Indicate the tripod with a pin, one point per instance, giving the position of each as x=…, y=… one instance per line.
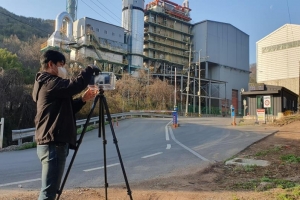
x=102, y=106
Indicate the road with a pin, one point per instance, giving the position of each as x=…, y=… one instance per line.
x=149, y=148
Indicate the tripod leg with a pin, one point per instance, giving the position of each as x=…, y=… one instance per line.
x=59, y=192
x=116, y=144
x=102, y=128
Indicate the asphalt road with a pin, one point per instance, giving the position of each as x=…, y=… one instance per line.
x=149, y=148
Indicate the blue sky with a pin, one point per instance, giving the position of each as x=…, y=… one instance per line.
x=257, y=18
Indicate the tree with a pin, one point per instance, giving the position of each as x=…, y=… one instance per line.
x=16, y=104
x=252, y=75
x=9, y=60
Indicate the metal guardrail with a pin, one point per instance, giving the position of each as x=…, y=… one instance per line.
x=19, y=135
x=1, y=131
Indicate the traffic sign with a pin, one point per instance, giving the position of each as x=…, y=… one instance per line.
x=267, y=101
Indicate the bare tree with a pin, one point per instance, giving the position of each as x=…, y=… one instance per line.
x=252, y=75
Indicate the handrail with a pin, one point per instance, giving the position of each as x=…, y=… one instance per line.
x=30, y=132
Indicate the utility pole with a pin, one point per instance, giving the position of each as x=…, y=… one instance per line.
x=175, y=91
x=199, y=93
x=188, y=82
x=299, y=91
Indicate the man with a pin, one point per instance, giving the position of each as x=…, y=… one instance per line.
x=55, y=119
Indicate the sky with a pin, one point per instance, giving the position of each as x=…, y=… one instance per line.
x=257, y=18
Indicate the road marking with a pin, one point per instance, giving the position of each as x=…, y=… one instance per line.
x=155, y=154
x=168, y=146
x=185, y=147
x=167, y=134
x=97, y=168
x=20, y=182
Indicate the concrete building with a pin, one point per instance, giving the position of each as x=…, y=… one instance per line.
x=211, y=58
x=133, y=23
x=278, y=58
x=167, y=36
x=90, y=40
x=171, y=41
x=224, y=58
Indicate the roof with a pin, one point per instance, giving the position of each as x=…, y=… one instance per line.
x=297, y=25
x=270, y=89
x=219, y=23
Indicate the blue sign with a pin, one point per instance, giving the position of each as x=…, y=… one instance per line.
x=174, y=113
x=232, y=111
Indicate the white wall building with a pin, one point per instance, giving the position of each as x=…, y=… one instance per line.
x=278, y=58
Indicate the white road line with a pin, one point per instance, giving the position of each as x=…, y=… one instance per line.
x=167, y=134
x=20, y=182
x=155, y=154
x=168, y=146
x=97, y=168
x=185, y=147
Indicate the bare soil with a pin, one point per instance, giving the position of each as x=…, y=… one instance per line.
x=279, y=180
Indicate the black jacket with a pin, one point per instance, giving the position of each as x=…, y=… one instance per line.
x=55, y=119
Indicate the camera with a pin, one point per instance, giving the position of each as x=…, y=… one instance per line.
x=105, y=80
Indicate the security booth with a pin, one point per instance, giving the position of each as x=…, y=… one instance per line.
x=273, y=100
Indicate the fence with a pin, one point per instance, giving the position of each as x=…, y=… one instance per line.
x=19, y=135
x=1, y=132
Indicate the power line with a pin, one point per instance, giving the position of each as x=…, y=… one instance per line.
x=287, y=2
x=94, y=10
x=116, y=19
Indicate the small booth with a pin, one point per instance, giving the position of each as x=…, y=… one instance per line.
x=267, y=101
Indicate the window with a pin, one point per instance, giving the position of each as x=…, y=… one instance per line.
x=113, y=33
x=92, y=28
x=97, y=29
x=105, y=32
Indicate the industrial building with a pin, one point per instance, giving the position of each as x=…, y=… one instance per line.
x=278, y=58
x=222, y=50
x=209, y=60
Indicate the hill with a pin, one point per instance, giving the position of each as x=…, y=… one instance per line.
x=23, y=27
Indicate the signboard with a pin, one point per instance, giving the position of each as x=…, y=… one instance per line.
x=267, y=101
x=261, y=115
x=256, y=86
x=174, y=113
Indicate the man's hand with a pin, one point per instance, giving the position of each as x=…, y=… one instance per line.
x=89, y=94
x=95, y=69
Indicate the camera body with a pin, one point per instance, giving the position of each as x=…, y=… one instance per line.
x=105, y=80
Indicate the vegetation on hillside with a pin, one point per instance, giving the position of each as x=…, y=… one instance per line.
x=23, y=27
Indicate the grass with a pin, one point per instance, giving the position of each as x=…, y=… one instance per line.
x=269, y=151
x=272, y=183
x=28, y=145
x=88, y=128
x=290, y=158
x=246, y=168
x=291, y=194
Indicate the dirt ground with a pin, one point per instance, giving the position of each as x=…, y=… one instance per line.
x=279, y=180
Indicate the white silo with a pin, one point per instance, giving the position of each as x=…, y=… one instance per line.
x=133, y=23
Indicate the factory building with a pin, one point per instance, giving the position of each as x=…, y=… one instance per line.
x=278, y=58
x=171, y=41
x=209, y=60
x=90, y=41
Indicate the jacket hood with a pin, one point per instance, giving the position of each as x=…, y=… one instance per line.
x=40, y=78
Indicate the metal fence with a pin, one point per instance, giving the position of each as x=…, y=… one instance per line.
x=19, y=135
x=1, y=132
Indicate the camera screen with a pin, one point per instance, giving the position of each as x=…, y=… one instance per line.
x=102, y=79
x=105, y=80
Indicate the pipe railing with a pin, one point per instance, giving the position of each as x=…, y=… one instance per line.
x=19, y=135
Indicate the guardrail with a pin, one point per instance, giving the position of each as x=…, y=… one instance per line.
x=19, y=135
x=1, y=131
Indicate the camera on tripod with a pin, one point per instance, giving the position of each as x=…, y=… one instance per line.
x=105, y=81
